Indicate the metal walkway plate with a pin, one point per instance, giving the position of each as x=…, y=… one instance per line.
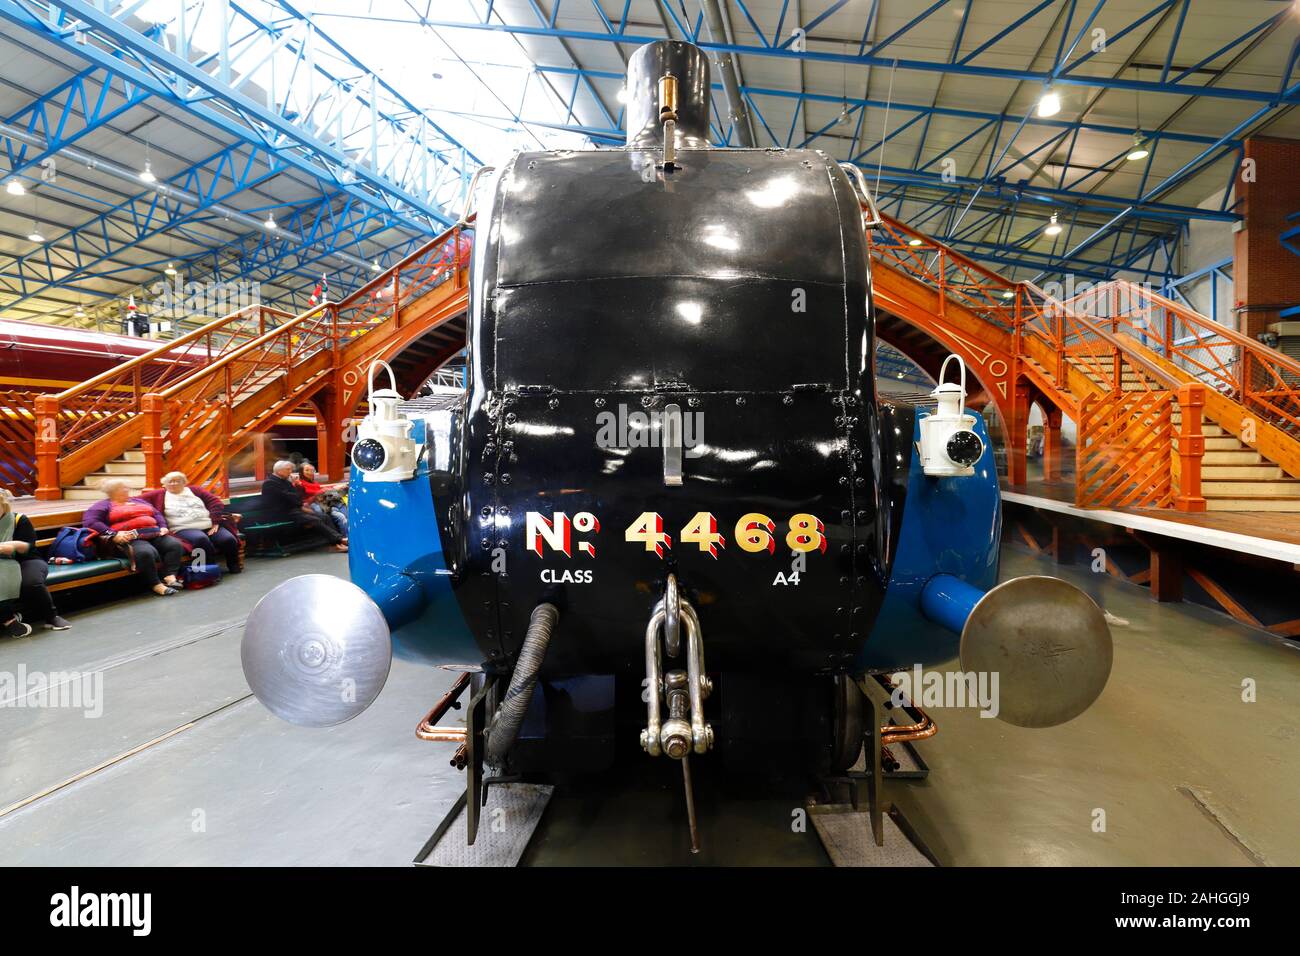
x=910, y=763
x=506, y=824
x=846, y=835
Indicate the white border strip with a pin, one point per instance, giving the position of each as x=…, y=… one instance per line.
x=1230, y=540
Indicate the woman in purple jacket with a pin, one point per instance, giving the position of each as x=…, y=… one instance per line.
x=197, y=517
x=156, y=553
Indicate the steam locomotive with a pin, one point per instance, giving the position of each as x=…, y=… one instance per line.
x=670, y=489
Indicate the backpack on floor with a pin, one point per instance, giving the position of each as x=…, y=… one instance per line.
x=201, y=576
x=73, y=545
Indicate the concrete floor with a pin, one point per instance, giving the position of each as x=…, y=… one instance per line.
x=183, y=766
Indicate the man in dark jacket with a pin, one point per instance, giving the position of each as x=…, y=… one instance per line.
x=282, y=500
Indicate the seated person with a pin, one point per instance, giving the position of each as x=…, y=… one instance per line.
x=327, y=504
x=139, y=530
x=197, y=517
x=22, y=575
x=282, y=500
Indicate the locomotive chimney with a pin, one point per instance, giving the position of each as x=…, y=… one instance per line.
x=687, y=95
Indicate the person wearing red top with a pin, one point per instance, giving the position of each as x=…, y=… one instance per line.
x=138, y=530
x=311, y=490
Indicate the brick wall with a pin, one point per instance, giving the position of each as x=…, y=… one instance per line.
x=1266, y=276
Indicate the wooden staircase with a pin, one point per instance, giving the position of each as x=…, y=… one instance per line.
x=1234, y=476
x=193, y=403
x=1025, y=347
x=128, y=465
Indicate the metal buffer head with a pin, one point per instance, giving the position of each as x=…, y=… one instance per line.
x=316, y=650
x=1049, y=644
x=1047, y=641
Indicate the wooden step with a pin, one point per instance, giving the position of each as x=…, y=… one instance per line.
x=1281, y=503
x=1261, y=472
x=1243, y=457
x=120, y=467
x=131, y=456
x=1222, y=443
x=1249, y=488
x=95, y=478
x=82, y=494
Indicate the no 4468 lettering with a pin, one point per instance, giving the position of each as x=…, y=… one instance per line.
x=754, y=533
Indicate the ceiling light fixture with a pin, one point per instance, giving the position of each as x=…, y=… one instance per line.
x=15, y=188
x=170, y=270
x=375, y=265
x=914, y=241
x=1049, y=104
x=270, y=222
x=1139, y=150
x=35, y=234
x=1053, y=228
x=146, y=174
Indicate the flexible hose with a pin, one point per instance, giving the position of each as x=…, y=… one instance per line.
x=510, y=714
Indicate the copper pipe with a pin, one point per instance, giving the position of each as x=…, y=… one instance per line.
x=461, y=757
x=426, y=730
x=923, y=728
x=895, y=733
x=441, y=735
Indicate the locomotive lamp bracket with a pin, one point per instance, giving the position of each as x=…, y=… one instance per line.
x=949, y=446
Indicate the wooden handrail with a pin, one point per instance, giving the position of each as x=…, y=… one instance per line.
x=383, y=278
x=949, y=251
x=207, y=370
x=163, y=349
x=360, y=294
x=1192, y=317
x=1110, y=338
x=1030, y=291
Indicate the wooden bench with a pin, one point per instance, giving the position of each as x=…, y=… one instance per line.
x=266, y=537
x=64, y=576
